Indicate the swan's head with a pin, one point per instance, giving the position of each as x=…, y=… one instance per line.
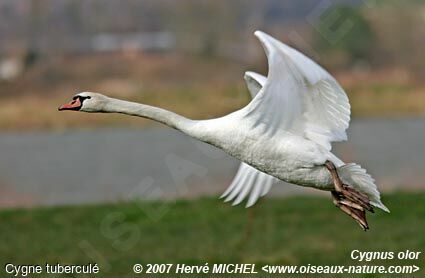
x=86, y=102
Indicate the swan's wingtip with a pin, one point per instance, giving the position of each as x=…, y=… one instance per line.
x=250, y=75
x=228, y=199
x=223, y=195
x=268, y=42
x=260, y=34
x=263, y=35
x=249, y=204
x=236, y=202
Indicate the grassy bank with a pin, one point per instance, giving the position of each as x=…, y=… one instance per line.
x=295, y=231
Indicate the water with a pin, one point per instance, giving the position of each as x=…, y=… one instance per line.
x=49, y=168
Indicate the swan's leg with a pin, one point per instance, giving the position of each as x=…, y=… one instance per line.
x=349, y=200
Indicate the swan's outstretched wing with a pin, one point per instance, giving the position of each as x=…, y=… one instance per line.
x=299, y=96
x=248, y=180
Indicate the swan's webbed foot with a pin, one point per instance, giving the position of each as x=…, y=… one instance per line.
x=353, y=208
x=348, y=199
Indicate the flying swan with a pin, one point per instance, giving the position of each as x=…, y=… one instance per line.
x=284, y=133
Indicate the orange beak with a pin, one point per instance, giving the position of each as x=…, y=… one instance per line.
x=74, y=105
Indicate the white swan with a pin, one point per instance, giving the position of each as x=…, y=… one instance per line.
x=285, y=132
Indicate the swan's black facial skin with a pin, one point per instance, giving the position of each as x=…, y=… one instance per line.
x=81, y=98
x=75, y=104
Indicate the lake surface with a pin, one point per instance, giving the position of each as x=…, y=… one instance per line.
x=87, y=166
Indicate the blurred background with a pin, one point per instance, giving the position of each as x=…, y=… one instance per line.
x=189, y=56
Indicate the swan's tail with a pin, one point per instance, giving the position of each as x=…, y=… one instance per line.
x=354, y=175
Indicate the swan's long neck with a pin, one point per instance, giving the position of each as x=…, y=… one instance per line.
x=154, y=113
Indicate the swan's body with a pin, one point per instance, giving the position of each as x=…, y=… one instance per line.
x=285, y=132
x=286, y=156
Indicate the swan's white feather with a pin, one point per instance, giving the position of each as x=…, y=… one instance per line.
x=248, y=179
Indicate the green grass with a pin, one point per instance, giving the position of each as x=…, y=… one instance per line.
x=296, y=231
